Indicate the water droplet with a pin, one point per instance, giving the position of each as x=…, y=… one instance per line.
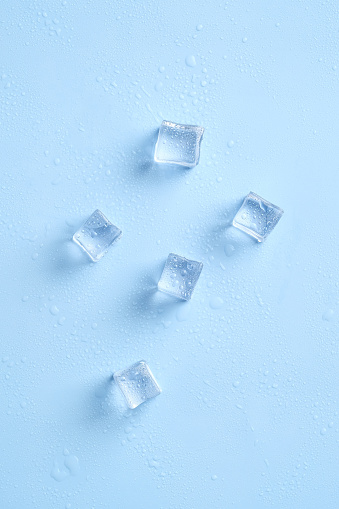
x=214, y=477
x=229, y=250
x=230, y=144
x=328, y=315
x=57, y=474
x=199, y=27
x=216, y=302
x=183, y=312
x=54, y=310
x=72, y=463
x=190, y=61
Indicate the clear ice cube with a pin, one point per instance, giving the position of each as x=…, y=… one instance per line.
x=96, y=235
x=257, y=216
x=137, y=383
x=178, y=144
x=179, y=276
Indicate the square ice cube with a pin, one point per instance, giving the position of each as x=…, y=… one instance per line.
x=137, y=383
x=178, y=144
x=96, y=235
x=179, y=276
x=257, y=216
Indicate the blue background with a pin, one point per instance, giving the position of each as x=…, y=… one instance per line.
x=248, y=417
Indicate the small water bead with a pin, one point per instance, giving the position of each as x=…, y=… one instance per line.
x=199, y=27
x=54, y=310
x=229, y=250
x=216, y=302
x=72, y=463
x=328, y=315
x=190, y=61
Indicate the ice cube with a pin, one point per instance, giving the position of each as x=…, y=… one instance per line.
x=179, y=276
x=137, y=383
x=178, y=144
x=257, y=216
x=96, y=235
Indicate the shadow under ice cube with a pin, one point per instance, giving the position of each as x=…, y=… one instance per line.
x=96, y=235
x=178, y=144
x=257, y=217
x=137, y=384
x=179, y=276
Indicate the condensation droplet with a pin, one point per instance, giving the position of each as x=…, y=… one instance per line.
x=190, y=61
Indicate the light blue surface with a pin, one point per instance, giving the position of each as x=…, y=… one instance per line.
x=248, y=416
